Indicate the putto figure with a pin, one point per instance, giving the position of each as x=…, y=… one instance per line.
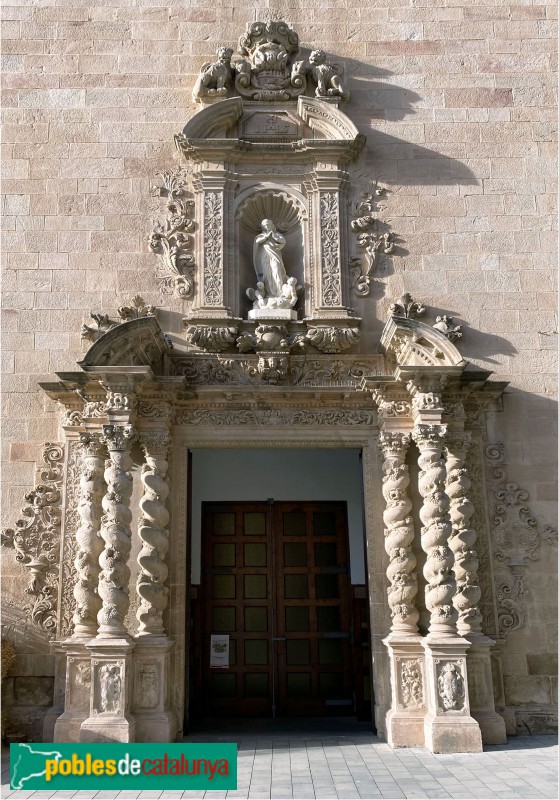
x=215, y=79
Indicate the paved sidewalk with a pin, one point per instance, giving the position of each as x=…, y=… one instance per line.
x=309, y=763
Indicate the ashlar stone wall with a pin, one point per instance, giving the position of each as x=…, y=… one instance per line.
x=457, y=102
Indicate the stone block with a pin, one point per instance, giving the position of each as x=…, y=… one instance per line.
x=525, y=689
x=542, y=663
x=33, y=690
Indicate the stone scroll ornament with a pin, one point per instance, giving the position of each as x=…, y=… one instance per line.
x=171, y=237
x=266, y=69
x=36, y=539
x=373, y=238
x=516, y=539
x=399, y=533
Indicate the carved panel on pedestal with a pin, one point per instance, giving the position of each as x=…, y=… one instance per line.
x=410, y=683
x=451, y=688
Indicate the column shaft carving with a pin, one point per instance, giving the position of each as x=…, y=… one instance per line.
x=153, y=534
x=115, y=532
x=463, y=537
x=89, y=544
x=399, y=533
x=436, y=530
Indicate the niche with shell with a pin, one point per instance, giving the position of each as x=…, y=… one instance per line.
x=289, y=214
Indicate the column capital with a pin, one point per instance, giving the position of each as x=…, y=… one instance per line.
x=118, y=438
x=394, y=442
x=429, y=437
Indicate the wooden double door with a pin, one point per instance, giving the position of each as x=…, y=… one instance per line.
x=275, y=580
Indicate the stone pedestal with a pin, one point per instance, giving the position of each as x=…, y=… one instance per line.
x=153, y=719
x=272, y=314
x=449, y=728
x=78, y=691
x=405, y=720
x=58, y=704
x=480, y=687
x=110, y=718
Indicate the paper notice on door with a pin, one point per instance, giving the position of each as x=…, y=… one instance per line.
x=219, y=651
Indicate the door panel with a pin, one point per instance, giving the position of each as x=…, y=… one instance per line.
x=275, y=578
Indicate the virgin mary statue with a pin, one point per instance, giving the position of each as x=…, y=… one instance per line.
x=268, y=261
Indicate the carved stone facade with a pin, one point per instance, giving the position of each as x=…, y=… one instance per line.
x=273, y=266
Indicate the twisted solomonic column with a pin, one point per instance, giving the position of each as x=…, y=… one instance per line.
x=399, y=533
x=436, y=530
x=463, y=537
x=153, y=534
x=115, y=532
x=90, y=546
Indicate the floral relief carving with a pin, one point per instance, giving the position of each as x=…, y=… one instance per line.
x=445, y=325
x=373, y=238
x=327, y=418
x=171, y=238
x=213, y=221
x=411, y=683
x=516, y=539
x=332, y=340
x=36, y=538
x=329, y=236
x=407, y=307
x=218, y=370
x=103, y=323
x=70, y=545
x=211, y=338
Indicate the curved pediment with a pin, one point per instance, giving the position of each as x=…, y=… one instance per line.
x=213, y=121
x=326, y=119
x=139, y=342
x=415, y=344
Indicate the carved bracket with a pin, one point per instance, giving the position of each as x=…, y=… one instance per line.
x=171, y=239
x=36, y=538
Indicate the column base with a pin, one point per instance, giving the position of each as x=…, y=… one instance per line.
x=157, y=727
x=405, y=719
x=492, y=727
x=480, y=688
x=405, y=729
x=108, y=728
x=155, y=722
x=110, y=718
x=455, y=735
x=449, y=728
x=77, y=692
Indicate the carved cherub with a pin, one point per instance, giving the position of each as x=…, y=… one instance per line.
x=215, y=78
x=327, y=77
